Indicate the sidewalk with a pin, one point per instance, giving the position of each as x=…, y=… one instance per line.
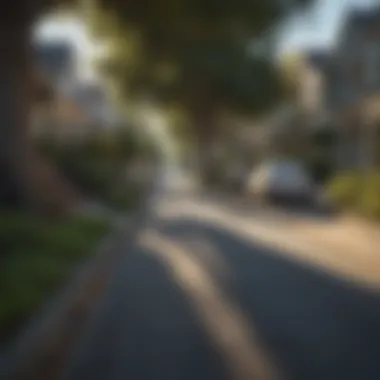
x=41, y=350
x=341, y=247
x=353, y=244
x=343, y=234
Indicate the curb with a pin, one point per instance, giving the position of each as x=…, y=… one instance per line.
x=62, y=319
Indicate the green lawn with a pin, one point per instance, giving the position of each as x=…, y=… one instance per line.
x=37, y=256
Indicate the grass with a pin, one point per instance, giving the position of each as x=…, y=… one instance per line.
x=37, y=258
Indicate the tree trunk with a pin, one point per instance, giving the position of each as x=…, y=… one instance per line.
x=340, y=157
x=205, y=131
x=26, y=180
x=347, y=144
x=14, y=109
x=202, y=103
x=367, y=145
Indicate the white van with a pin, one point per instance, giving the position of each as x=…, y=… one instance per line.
x=281, y=180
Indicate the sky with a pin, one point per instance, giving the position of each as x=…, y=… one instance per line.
x=317, y=28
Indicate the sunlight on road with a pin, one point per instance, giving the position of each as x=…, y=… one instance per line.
x=287, y=241
x=243, y=354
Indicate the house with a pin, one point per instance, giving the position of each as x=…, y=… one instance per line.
x=354, y=85
x=75, y=108
x=354, y=74
x=312, y=88
x=57, y=60
x=53, y=65
x=359, y=53
x=94, y=98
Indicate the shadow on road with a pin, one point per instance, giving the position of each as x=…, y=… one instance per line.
x=250, y=205
x=145, y=329
x=223, y=322
x=317, y=326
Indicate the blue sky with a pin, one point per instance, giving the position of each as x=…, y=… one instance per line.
x=320, y=26
x=317, y=27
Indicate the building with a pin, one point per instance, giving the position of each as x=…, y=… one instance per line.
x=75, y=108
x=57, y=60
x=355, y=73
x=354, y=85
x=311, y=94
x=94, y=99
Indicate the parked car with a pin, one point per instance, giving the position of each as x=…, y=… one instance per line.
x=281, y=181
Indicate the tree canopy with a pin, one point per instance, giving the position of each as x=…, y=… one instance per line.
x=193, y=51
x=291, y=67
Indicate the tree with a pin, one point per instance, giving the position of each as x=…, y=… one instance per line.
x=17, y=93
x=193, y=53
x=202, y=41
x=14, y=76
x=291, y=67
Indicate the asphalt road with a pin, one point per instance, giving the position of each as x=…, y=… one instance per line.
x=194, y=301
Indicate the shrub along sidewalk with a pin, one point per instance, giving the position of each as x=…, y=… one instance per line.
x=65, y=290
x=357, y=193
x=344, y=234
x=98, y=167
x=38, y=256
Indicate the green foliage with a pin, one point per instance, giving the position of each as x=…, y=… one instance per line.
x=123, y=198
x=98, y=165
x=319, y=153
x=325, y=138
x=369, y=202
x=357, y=193
x=320, y=170
x=188, y=49
x=291, y=67
x=38, y=256
x=192, y=52
x=344, y=190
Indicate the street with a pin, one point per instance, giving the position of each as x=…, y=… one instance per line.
x=190, y=190
x=194, y=299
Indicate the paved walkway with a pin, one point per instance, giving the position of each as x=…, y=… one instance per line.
x=341, y=246
x=340, y=233
x=197, y=299
x=344, y=234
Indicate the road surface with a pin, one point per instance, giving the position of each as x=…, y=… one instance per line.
x=193, y=300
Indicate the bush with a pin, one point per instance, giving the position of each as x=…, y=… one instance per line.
x=357, y=193
x=97, y=166
x=344, y=190
x=320, y=171
x=37, y=256
x=123, y=198
x=369, y=201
